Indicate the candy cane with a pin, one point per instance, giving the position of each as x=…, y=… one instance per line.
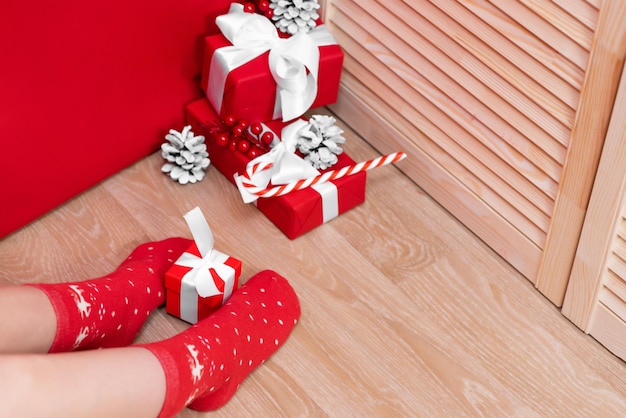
x=255, y=168
x=322, y=178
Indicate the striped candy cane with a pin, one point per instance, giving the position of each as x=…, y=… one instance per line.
x=322, y=178
x=255, y=168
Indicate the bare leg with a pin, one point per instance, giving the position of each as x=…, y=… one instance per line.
x=27, y=320
x=116, y=382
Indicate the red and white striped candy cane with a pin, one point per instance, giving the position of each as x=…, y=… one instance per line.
x=322, y=178
x=255, y=168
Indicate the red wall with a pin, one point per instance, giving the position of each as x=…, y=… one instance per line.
x=87, y=88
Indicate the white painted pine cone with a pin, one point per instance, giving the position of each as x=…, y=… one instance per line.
x=319, y=141
x=295, y=16
x=186, y=155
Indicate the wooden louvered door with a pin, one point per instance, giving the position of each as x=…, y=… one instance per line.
x=502, y=106
x=596, y=293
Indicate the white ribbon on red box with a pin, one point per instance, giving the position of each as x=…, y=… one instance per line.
x=198, y=281
x=289, y=59
x=281, y=165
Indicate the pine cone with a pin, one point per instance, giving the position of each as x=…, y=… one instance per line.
x=294, y=16
x=319, y=141
x=186, y=156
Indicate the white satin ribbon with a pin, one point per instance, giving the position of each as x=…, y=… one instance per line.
x=289, y=59
x=198, y=281
x=330, y=200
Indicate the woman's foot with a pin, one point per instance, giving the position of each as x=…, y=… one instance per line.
x=205, y=364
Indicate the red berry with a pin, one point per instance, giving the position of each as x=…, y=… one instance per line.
x=230, y=120
x=243, y=145
x=256, y=128
x=254, y=152
x=267, y=137
x=222, y=139
x=238, y=130
x=243, y=123
x=232, y=145
x=264, y=5
x=249, y=7
x=269, y=13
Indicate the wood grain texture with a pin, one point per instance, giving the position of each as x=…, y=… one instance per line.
x=601, y=247
x=405, y=312
x=562, y=27
x=596, y=294
x=588, y=136
x=562, y=77
x=609, y=329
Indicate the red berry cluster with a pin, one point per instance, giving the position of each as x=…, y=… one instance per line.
x=240, y=135
x=261, y=7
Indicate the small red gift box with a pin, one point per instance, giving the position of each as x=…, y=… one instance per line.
x=269, y=82
x=299, y=211
x=213, y=274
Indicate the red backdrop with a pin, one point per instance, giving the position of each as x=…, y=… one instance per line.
x=87, y=88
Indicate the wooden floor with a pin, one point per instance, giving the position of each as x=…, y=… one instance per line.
x=404, y=311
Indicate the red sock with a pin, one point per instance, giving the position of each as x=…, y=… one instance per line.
x=205, y=364
x=110, y=311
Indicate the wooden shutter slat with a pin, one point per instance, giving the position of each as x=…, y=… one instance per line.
x=585, y=13
x=565, y=22
x=529, y=49
x=543, y=31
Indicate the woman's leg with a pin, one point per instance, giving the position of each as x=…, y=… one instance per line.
x=116, y=382
x=104, y=312
x=27, y=320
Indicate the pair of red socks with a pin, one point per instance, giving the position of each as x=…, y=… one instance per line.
x=204, y=364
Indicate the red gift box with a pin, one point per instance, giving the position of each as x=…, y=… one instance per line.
x=250, y=90
x=182, y=290
x=299, y=211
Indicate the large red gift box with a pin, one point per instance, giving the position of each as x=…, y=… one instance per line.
x=297, y=212
x=250, y=90
x=182, y=289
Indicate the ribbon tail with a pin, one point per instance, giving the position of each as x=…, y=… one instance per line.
x=227, y=274
x=289, y=63
x=205, y=285
x=200, y=230
x=293, y=103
